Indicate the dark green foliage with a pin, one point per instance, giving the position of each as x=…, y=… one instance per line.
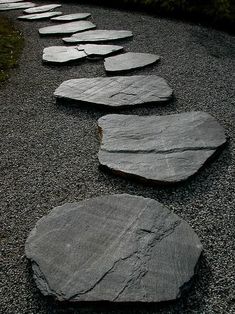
x=11, y=44
x=214, y=12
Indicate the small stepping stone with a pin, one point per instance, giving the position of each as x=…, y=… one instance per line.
x=99, y=50
x=162, y=149
x=71, y=17
x=118, y=248
x=98, y=36
x=16, y=6
x=129, y=61
x=9, y=1
x=116, y=91
x=67, y=28
x=39, y=16
x=62, y=54
x=43, y=8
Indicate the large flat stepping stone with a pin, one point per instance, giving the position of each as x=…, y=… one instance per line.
x=162, y=149
x=43, y=8
x=16, y=6
x=10, y=1
x=117, y=248
x=116, y=91
x=62, y=54
x=39, y=16
x=98, y=36
x=71, y=17
x=67, y=28
x=129, y=61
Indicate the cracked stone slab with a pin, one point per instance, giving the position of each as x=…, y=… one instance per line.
x=129, y=61
x=71, y=17
x=43, y=8
x=62, y=54
x=67, y=28
x=119, y=91
x=118, y=248
x=16, y=6
x=162, y=149
x=100, y=50
x=98, y=36
x=39, y=16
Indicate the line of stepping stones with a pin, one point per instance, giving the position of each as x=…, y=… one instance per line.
x=120, y=248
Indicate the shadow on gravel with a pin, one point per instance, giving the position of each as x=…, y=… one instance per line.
x=215, y=43
x=191, y=299
x=73, y=107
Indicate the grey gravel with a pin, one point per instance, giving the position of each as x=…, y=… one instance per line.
x=48, y=156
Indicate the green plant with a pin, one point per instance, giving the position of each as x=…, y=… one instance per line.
x=11, y=44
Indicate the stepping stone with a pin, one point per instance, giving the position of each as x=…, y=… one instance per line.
x=71, y=17
x=16, y=6
x=61, y=54
x=129, y=61
x=43, y=8
x=9, y=1
x=99, y=50
x=116, y=91
x=118, y=248
x=98, y=36
x=39, y=16
x=66, y=28
x=162, y=149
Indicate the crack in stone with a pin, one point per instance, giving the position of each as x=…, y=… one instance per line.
x=169, y=151
x=143, y=254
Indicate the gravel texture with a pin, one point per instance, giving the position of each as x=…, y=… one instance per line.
x=49, y=155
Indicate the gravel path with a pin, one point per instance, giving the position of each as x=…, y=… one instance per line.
x=48, y=155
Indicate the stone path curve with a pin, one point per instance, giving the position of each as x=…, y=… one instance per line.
x=132, y=142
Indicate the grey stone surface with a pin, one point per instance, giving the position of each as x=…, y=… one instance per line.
x=129, y=61
x=62, y=54
x=99, y=50
x=16, y=6
x=67, y=28
x=98, y=36
x=71, y=17
x=118, y=248
x=163, y=149
x=116, y=91
x=39, y=16
x=9, y=1
x=43, y=8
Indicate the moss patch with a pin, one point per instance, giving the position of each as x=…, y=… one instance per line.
x=11, y=44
